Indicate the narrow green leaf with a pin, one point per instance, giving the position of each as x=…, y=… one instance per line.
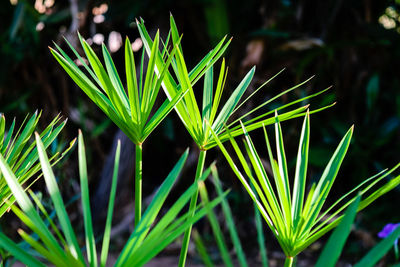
x=229, y=220
x=131, y=80
x=301, y=171
x=46, y=215
x=116, y=100
x=329, y=174
x=333, y=248
x=378, y=251
x=174, y=32
x=42, y=250
x=157, y=85
x=8, y=138
x=276, y=97
x=107, y=230
x=201, y=249
x=241, y=178
x=233, y=100
x=2, y=129
x=207, y=94
x=23, y=138
x=258, y=89
x=150, y=74
x=85, y=84
x=272, y=206
x=56, y=198
x=81, y=60
x=216, y=228
x=114, y=77
x=87, y=216
x=218, y=91
x=260, y=237
x=282, y=164
x=18, y=252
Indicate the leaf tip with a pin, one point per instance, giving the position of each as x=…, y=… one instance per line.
x=186, y=151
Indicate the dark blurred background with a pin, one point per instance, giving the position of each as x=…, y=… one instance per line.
x=353, y=45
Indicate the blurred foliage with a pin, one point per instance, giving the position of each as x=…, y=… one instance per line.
x=352, y=45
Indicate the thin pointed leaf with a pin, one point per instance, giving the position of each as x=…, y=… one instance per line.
x=87, y=216
x=114, y=77
x=301, y=171
x=107, y=230
x=131, y=80
x=229, y=220
x=56, y=198
x=150, y=74
x=378, y=251
x=18, y=252
x=207, y=94
x=330, y=173
x=282, y=164
x=216, y=228
x=232, y=101
x=333, y=248
x=2, y=129
x=201, y=249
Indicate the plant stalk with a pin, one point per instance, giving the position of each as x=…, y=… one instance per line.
x=192, y=207
x=138, y=184
x=289, y=261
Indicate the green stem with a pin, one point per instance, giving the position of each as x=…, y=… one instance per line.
x=138, y=184
x=192, y=207
x=289, y=261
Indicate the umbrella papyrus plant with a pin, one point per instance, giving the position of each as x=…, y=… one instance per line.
x=130, y=109
x=60, y=247
x=297, y=219
x=212, y=112
x=20, y=153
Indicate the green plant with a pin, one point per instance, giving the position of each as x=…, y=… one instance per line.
x=297, y=220
x=61, y=247
x=20, y=153
x=195, y=120
x=130, y=112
